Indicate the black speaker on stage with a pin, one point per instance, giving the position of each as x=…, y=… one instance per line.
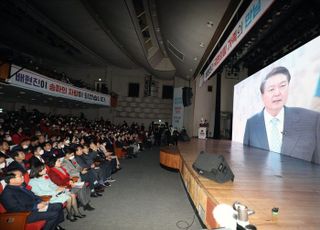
x=186, y=96
x=213, y=166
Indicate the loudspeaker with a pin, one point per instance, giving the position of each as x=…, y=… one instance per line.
x=213, y=166
x=186, y=96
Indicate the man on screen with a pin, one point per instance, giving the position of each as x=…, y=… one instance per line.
x=288, y=130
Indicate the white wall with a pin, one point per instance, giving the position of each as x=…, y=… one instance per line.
x=204, y=104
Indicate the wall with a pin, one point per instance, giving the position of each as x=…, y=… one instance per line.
x=142, y=109
x=204, y=104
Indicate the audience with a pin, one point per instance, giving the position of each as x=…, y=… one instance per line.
x=69, y=158
x=17, y=198
x=59, y=175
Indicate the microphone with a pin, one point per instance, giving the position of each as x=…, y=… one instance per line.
x=284, y=133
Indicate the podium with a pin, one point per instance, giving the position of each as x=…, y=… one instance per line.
x=202, y=133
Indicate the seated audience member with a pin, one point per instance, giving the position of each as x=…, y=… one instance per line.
x=60, y=149
x=110, y=156
x=37, y=157
x=18, y=162
x=3, y=165
x=88, y=160
x=101, y=161
x=8, y=138
x=34, y=142
x=43, y=186
x=75, y=170
x=48, y=151
x=59, y=175
x=18, y=136
x=25, y=147
x=4, y=147
x=122, y=143
x=16, y=198
x=80, y=159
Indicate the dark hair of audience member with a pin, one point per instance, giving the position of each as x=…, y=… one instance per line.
x=9, y=175
x=35, y=170
x=69, y=151
x=15, y=153
x=52, y=162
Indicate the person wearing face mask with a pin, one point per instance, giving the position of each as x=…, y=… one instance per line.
x=60, y=149
x=48, y=151
x=36, y=159
x=60, y=176
x=25, y=147
x=8, y=138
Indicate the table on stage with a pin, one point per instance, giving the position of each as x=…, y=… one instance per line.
x=263, y=180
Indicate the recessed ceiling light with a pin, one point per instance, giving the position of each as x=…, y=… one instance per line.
x=195, y=58
x=99, y=79
x=190, y=70
x=201, y=44
x=210, y=24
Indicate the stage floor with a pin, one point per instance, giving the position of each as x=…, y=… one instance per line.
x=263, y=180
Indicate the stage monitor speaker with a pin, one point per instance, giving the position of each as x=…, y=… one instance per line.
x=213, y=166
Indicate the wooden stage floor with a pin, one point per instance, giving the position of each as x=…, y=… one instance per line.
x=263, y=180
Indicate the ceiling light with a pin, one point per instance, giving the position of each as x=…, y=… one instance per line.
x=201, y=44
x=210, y=24
x=195, y=58
x=21, y=92
x=33, y=99
x=190, y=70
x=99, y=79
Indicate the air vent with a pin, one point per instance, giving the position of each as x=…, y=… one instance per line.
x=175, y=51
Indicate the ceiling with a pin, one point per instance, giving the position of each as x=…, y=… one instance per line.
x=166, y=38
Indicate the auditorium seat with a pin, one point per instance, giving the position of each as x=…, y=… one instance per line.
x=120, y=152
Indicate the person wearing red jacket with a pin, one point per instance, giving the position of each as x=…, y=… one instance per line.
x=59, y=175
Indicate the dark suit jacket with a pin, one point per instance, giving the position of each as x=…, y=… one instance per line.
x=301, y=133
x=33, y=161
x=18, y=199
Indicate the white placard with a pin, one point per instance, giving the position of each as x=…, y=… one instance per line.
x=30, y=80
x=178, y=109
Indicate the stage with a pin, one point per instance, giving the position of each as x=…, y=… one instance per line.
x=263, y=180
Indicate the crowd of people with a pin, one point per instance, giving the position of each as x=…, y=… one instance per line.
x=52, y=162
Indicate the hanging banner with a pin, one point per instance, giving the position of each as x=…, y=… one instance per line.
x=246, y=22
x=178, y=109
x=30, y=80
